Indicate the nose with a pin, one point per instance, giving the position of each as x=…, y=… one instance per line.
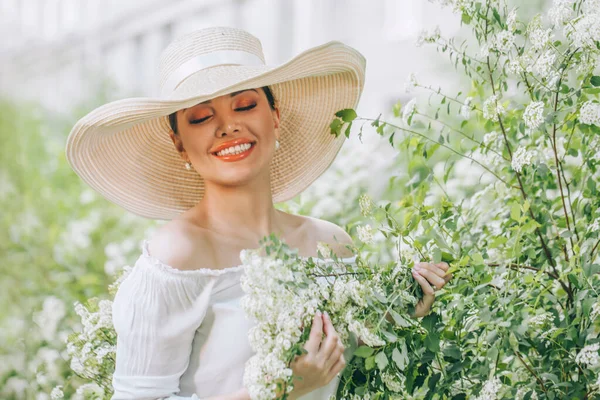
x=228, y=125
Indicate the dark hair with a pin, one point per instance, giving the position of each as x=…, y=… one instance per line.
x=266, y=89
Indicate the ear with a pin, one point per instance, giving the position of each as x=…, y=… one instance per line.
x=178, y=145
x=276, y=122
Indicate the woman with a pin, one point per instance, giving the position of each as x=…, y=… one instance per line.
x=228, y=137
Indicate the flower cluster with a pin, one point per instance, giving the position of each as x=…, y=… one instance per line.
x=521, y=158
x=534, y=114
x=589, y=355
x=282, y=294
x=590, y=113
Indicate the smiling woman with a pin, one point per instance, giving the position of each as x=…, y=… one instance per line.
x=229, y=137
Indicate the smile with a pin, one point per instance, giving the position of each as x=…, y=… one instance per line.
x=235, y=153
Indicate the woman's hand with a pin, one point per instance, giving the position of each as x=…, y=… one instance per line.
x=325, y=358
x=431, y=277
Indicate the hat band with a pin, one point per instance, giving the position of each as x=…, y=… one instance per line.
x=222, y=57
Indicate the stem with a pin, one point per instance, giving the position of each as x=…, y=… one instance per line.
x=441, y=144
x=531, y=371
x=461, y=132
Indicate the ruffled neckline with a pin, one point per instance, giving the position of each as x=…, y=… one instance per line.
x=213, y=272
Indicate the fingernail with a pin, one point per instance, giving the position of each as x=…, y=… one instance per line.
x=318, y=313
x=326, y=314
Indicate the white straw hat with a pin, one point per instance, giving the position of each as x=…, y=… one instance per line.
x=122, y=149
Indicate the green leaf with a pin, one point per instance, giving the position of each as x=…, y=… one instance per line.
x=364, y=351
x=370, y=363
x=515, y=212
x=595, y=80
x=400, y=356
x=335, y=127
x=347, y=114
x=399, y=319
x=381, y=360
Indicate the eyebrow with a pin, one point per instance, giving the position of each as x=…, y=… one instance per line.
x=230, y=95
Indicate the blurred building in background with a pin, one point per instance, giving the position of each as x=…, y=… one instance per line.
x=61, y=51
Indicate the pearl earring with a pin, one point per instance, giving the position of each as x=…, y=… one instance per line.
x=276, y=144
x=188, y=166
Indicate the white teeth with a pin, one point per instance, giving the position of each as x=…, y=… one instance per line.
x=234, y=149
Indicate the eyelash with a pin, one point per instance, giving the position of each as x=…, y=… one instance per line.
x=198, y=121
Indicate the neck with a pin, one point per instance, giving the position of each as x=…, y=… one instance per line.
x=242, y=212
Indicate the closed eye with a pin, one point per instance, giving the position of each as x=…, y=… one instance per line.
x=198, y=121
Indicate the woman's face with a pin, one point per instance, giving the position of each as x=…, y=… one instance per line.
x=210, y=131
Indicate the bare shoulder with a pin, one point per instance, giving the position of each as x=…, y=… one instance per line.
x=334, y=235
x=179, y=245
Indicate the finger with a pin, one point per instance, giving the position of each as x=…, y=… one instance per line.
x=427, y=289
x=335, y=356
x=331, y=341
x=315, y=336
x=443, y=265
x=431, y=267
x=432, y=277
x=448, y=277
x=336, y=368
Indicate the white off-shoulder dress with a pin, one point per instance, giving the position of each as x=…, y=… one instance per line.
x=183, y=335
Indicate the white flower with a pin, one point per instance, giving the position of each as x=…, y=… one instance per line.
x=511, y=20
x=492, y=108
x=87, y=391
x=584, y=31
x=57, y=393
x=521, y=392
x=490, y=389
x=590, y=113
x=504, y=41
x=408, y=110
x=514, y=67
x=411, y=83
x=490, y=138
x=53, y=311
x=534, y=114
x=543, y=64
x=560, y=11
x=465, y=110
x=323, y=248
x=365, y=233
x=521, y=158
x=589, y=355
x=541, y=320
x=366, y=204
x=360, y=330
x=426, y=36
x=539, y=38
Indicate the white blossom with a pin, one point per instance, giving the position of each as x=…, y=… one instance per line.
x=584, y=31
x=590, y=113
x=490, y=138
x=492, y=108
x=57, y=393
x=465, y=110
x=426, y=36
x=490, y=390
x=511, y=20
x=411, y=83
x=534, y=114
x=543, y=64
x=521, y=392
x=539, y=38
x=365, y=233
x=560, y=11
x=366, y=204
x=408, y=110
x=504, y=41
x=589, y=355
x=521, y=158
x=514, y=67
x=53, y=311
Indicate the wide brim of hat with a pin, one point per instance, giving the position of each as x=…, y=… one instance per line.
x=123, y=150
